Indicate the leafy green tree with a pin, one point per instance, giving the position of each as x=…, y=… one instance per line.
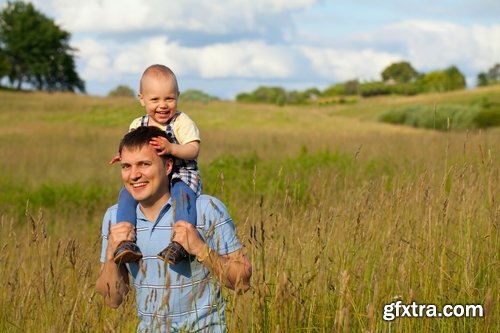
x=350, y=87
x=482, y=79
x=334, y=90
x=494, y=73
x=444, y=80
x=455, y=79
x=4, y=64
x=400, y=72
x=37, y=50
x=491, y=77
x=122, y=91
x=245, y=98
x=195, y=95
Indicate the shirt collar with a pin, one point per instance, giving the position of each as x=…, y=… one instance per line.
x=163, y=210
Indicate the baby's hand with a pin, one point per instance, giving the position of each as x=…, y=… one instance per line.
x=162, y=145
x=115, y=159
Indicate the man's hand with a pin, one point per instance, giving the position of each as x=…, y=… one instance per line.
x=119, y=233
x=162, y=145
x=233, y=270
x=186, y=235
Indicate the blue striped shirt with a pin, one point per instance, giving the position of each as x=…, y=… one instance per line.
x=178, y=297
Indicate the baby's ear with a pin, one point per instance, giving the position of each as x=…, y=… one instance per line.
x=141, y=98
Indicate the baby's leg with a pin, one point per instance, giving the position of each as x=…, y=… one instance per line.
x=126, y=207
x=184, y=205
x=184, y=201
x=127, y=251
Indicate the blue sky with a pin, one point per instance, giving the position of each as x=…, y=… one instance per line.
x=232, y=46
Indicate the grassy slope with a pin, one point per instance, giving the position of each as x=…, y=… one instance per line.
x=338, y=214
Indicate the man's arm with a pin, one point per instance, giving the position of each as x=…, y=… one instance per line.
x=113, y=283
x=113, y=280
x=233, y=270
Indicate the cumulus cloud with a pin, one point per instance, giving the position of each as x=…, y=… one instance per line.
x=343, y=65
x=245, y=59
x=431, y=45
x=211, y=17
x=262, y=41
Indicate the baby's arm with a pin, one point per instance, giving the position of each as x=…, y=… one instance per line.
x=187, y=151
x=135, y=123
x=115, y=159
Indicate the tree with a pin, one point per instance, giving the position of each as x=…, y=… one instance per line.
x=400, y=72
x=491, y=77
x=455, y=79
x=122, y=91
x=350, y=87
x=195, y=95
x=445, y=80
x=4, y=64
x=482, y=79
x=37, y=50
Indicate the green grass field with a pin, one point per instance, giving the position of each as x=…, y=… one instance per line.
x=339, y=214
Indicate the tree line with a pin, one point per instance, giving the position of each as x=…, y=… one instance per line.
x=398, y=79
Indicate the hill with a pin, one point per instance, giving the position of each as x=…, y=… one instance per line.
x=339, y=213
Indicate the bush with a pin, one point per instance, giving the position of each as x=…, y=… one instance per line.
x=374, y=89
x=443, y=117
x=487, y=118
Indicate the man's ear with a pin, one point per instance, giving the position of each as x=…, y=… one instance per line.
x=169, y=166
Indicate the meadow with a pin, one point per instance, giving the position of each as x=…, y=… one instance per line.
x=338, y=213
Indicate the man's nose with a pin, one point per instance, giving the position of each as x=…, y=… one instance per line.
x=135, y=173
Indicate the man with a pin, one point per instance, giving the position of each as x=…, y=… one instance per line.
x=170, y=298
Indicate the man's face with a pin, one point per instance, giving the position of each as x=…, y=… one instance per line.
x=159, y=98
x=145, y=174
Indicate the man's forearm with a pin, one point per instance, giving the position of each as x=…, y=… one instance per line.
x=233, y=270
x=112, y=283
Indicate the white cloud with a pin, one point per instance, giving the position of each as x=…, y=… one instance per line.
x=257, y=40
x=342, y=65
x=246, y=59
x=214, y=17
x=252, y=59
x=433, y=45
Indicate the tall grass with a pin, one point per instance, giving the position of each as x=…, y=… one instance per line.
x=339, y=216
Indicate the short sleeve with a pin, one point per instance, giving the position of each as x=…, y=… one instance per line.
x=108, y=219
x=218, y=226
x=134, y=124
x=185, y=129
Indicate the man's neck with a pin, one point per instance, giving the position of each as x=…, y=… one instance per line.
x=152, y=210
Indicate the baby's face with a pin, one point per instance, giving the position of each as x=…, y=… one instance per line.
x=159, y=98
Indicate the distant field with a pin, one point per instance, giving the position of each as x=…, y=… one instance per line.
x=339, y=214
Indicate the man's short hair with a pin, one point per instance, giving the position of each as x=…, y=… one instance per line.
x=141, y=136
